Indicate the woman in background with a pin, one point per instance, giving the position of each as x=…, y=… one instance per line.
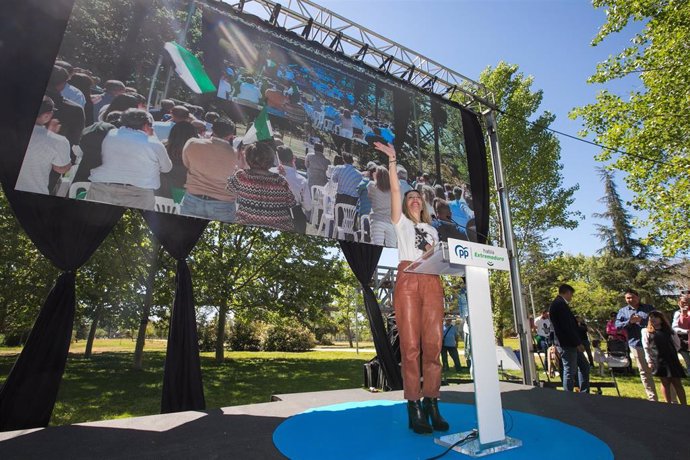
x=263, y=197
x=661, y=347
x=172, y=183
x=379, y=191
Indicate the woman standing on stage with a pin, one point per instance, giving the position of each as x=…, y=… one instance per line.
x=418, y=302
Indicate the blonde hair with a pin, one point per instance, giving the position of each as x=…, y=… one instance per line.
x=423, y=214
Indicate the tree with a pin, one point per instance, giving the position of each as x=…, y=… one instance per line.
x=264, y=275
x=531, y=159
x=618, y=237
x=108, y=39
x=651, y=123
x=626, y=262
x=26, y=277
x=348, y=309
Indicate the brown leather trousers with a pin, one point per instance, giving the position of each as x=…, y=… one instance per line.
x=418, y=302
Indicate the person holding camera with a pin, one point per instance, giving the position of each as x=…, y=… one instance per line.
x=632, y=318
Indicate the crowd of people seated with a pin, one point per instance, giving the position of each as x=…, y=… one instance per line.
x=132, y=155
x=309, y=93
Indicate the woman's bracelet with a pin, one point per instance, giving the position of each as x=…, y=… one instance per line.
x=392, y=161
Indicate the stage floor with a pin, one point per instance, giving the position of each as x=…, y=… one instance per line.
x=633, y=429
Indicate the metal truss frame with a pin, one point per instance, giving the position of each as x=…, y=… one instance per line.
x=318, y=24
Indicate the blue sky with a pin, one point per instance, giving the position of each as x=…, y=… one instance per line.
x=548, y=39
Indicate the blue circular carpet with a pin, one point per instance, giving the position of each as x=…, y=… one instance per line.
x=378, y=429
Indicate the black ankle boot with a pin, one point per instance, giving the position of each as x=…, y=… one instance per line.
x=431, y=412
x=417, y=418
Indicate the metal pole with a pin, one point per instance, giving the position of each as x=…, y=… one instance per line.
x=531, y=300
x=357, y=327
x=181, y=40
x=529, y=371
x=153, y=81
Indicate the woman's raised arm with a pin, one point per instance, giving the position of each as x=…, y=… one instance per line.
x=396, y=199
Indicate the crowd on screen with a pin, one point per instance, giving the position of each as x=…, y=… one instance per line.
x=134, y=156
x=310, y=94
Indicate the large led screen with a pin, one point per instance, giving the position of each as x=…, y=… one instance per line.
x=256, y=125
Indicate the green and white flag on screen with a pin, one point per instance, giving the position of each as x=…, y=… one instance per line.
x=260, y=130
x=189, y=69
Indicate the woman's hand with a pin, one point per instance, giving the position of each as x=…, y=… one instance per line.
x=388, y=149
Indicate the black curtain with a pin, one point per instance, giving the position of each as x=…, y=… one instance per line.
x=64, y=231
x=479, y=171
x=182, y=384
x=363, y=259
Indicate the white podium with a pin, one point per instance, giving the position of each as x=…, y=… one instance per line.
x=474, y=260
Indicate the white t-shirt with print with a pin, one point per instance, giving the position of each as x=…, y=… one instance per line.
x=412, y=238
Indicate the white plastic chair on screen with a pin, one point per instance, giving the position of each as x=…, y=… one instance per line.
x=365, y=229
x=325, y=227
x=347, y=224
x=78, y=190
x=166, y=205
x=317, y=203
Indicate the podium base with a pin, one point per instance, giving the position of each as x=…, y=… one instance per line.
x=473, y=448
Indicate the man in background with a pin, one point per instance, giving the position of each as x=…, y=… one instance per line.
x=632, y=318
x=209, y=163
x=47, y=151
x=132, y=162
x=568, y=342
x=450, y=345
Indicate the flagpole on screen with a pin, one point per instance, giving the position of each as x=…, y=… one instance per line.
x=182, y=40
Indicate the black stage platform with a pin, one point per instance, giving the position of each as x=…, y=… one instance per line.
x=633, y=429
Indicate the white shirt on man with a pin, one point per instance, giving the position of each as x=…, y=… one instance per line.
x=46, y=149
x=132, y=157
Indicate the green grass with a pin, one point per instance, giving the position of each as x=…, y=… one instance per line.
x=107, y=387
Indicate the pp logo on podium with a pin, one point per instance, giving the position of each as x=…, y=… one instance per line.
x=462, y=252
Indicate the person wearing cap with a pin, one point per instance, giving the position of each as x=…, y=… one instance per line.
x=178, y=113
x=47, y=151
x=132, y=162
x=209, y=163
x=418, y=303
x=70, y=114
